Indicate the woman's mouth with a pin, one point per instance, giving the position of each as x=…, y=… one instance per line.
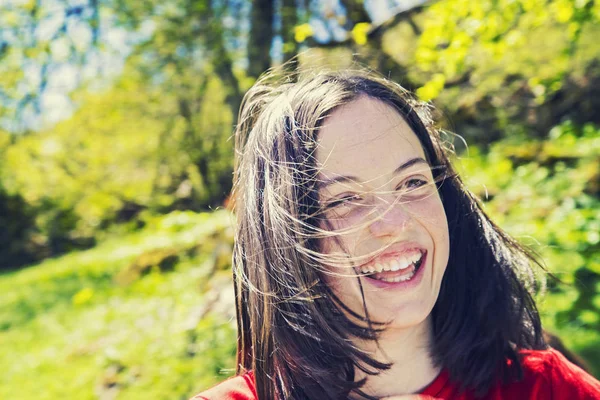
x=394, y=270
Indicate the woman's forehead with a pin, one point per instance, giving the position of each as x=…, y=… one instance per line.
x=365, y=137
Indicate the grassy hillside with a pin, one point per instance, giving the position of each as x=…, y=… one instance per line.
x=108, y=323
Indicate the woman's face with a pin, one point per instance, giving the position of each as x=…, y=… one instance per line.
x=384, y=214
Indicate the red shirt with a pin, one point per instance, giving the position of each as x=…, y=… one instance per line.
x=548, y=375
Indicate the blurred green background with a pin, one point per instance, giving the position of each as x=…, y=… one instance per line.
x=115, y=165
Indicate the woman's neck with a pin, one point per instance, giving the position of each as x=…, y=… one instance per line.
x=408, y=350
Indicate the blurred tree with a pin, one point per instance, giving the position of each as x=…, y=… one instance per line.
x=289, y=21
x=261, y=36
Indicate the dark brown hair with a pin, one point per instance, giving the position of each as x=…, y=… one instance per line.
x=292, y=330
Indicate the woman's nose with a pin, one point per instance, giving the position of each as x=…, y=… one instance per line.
x=390, y=218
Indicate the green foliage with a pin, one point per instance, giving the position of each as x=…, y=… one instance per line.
x=459, y=36
x=503, y=68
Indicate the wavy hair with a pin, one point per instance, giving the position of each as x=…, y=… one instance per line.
x=293, y=332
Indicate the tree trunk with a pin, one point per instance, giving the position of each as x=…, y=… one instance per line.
x=261, y=37
x=289, y=20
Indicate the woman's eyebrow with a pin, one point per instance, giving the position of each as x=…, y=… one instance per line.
x=410, y=163
x=349, y=178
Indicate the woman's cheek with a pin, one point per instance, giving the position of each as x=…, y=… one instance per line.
x=429, y=211
x=346, y=227
x=430, y=214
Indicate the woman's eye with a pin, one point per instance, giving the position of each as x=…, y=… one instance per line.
x=413, y=183
x=342, y=201
x=416, y=182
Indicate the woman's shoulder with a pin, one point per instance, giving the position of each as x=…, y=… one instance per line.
x=240, y=387
x=548, y=362
x=547, y=374
x=548, y=370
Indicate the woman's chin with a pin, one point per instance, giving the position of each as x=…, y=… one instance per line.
x=403, y=316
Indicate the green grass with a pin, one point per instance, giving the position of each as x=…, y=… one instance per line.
x=67, y=330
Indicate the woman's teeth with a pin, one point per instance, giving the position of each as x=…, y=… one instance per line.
x=396, y=270
x=401, y=278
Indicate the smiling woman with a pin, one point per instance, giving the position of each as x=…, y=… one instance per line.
x=364, y=268
x=382, y=201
